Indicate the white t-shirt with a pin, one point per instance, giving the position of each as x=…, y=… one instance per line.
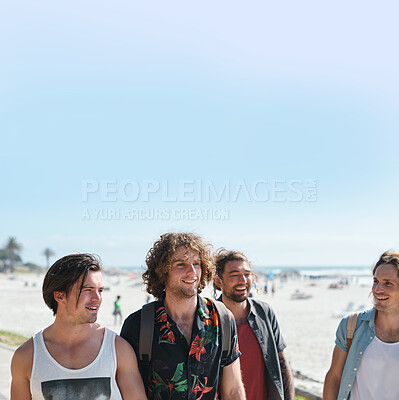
x=378, y=377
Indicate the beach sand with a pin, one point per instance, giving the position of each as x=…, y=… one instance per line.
x=308, y=325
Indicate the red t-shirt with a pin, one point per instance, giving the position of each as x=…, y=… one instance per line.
x=252, y=364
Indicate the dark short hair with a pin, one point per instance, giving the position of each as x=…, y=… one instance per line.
x=64, y=273
x=388, y=257
x=159, y=259
x=222, y=257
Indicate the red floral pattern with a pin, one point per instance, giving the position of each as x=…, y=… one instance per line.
x=173, y=375
x=197, y=348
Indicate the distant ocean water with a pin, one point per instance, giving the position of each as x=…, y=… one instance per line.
x=355, y=274
x=321, y=271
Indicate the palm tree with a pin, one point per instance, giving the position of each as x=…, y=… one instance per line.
x=3, y=260
x=48, y=253
x=13, y=248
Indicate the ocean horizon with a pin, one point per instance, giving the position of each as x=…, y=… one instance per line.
x=302, y=270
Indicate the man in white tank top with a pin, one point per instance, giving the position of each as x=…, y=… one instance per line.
x=75, y=358
x=369, y=369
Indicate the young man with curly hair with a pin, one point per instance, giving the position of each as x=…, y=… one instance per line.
x=75, y=358
x=186, y=347
x=265, y=370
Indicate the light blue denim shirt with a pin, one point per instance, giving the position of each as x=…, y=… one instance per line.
x=364, y=334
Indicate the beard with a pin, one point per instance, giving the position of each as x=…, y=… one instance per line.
x=236, y=296
x=183, y=293
x=81, y=316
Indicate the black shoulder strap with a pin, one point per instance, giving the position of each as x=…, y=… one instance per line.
x=146, y=333
x=225, y=326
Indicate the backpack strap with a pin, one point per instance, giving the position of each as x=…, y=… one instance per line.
x=225, y=327
x=350, y=330
x=146, y=336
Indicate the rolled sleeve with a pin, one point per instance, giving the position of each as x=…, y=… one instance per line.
x=341, y=335
x=278, y=337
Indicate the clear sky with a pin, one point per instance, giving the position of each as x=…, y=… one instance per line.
x=268, y=127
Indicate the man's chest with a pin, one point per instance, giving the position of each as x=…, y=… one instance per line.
x=184, y=371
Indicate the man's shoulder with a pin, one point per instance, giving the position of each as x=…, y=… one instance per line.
x=215, y=305
x=26, y=347
x=257, y=304
x=366, y=315
x=258, y=301
x=23, y=356
x=21, y=367
x=134, y=318
x=132, y=323
x=131, y=328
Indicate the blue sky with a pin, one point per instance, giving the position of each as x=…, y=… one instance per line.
x=118, y=92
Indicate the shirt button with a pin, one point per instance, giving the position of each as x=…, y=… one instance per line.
x=349, y=385
x=371, y=337
x=361, y=352
x=355, y=369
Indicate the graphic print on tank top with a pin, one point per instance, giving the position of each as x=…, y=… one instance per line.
x=77, y=389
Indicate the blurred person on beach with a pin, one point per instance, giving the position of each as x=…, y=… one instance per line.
x=264, y=366
x=187, y=346
x=370, y=369
x=75, y=358
x=117, y=310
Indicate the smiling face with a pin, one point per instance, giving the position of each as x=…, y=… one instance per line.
x=84, y=309
x=236, y=281
x=386, y=288
x=184, y=274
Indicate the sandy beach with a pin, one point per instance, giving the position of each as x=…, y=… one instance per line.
x=308, y=325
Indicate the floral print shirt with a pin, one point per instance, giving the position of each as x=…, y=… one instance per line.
x=178, y=371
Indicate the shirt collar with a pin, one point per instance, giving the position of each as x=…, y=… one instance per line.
x=369, y=316
x=251, y=306
x=202, y=310
x=202, y=313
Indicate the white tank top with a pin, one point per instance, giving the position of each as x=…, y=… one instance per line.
x=51, y=381
x=377, y=377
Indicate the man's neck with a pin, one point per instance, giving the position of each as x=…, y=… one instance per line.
x=74, y=347
x=66, y=332
x=239, y=310
x=180, y=307
x=182, y=311
x=387, y=319
x=387, y=326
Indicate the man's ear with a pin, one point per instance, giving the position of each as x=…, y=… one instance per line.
x=218, y=282
x=59, y=297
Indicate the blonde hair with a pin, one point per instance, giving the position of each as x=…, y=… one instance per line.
x=388, y=257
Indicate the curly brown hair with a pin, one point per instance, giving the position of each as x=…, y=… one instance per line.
x=388, y=257
x=160, y=256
